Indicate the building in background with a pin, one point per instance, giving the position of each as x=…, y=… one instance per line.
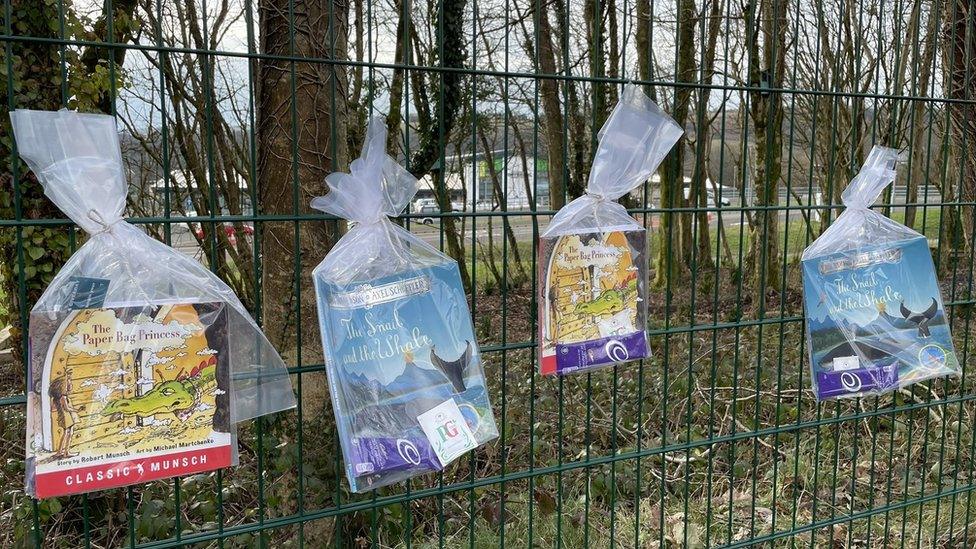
x=470, y=181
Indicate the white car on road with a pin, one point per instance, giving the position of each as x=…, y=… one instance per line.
x=426, y=206
x=711, y=197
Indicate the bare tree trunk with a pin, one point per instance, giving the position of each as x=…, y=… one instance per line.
x=642, y=35
x=451, y=38
x=960, y=61
x=674, y=250
x=595, y=38
x=553, y=122
x=580, y=160
x=358, y=104
x=919, y=121
x=122, y=26
x=421, y=95
x=394, y=116
x=488, y=254
x=839, y=122
x=598, y=15
x=503, y=206
x=530, y=193
x=460, y=140
x=952, y=237
x=299, y=106
x=896, y=130
x=703, y=143
x=766, y=45
x=613, y=64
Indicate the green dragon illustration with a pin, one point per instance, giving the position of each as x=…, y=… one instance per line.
x=178, y=396
x=610, y=301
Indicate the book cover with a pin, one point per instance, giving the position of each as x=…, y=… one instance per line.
x=592, y=311
x=875, y=320
x=397, y=348
x=120, y=395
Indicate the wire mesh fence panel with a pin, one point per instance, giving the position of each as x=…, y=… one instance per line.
x=232, y=112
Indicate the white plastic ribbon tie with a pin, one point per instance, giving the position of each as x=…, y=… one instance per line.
x=106, y=227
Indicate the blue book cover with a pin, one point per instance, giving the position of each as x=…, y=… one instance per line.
x=875, y=320
x=396, y=348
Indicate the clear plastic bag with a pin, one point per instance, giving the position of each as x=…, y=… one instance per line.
x=407, y=386
x=875, y=320
x=137, y=351
x=593, y=254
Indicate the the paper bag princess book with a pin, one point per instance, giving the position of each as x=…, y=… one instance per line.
x=404, y=369
x=593, y=264
x=874, y=314
x=141, y=360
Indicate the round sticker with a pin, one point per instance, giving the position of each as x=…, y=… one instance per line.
x=932, y=356
x=851, y=382
x=408, y=451
x=616, y=350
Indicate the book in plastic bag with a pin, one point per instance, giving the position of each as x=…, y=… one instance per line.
x=129, y=394
x=593, y=254
x=875, y=320
x=404, y=369
x=141, y=360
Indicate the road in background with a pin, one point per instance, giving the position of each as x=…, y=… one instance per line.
x=524, y=231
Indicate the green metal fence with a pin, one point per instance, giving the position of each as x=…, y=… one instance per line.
x=714, y=442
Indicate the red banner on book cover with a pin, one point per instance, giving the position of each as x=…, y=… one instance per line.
x=125, y=472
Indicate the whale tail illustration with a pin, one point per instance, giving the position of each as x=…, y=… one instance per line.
x=921, y=319
x=453, y=370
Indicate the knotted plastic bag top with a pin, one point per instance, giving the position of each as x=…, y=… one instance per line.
x=77, y=159
x=80, y=174
x=375, y=189
x=858, y=225
x=633, y=142
x=376, y=186
x=877, y=173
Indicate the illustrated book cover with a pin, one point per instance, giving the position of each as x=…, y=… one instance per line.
x=875, y=320
x=127, y=394
x=405, y=374
x=592, y=311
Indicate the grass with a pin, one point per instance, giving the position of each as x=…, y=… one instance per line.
x=793, y=238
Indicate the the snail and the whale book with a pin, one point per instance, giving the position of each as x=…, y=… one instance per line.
x=875, y=319
x=120, y=394
x=404, y=373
